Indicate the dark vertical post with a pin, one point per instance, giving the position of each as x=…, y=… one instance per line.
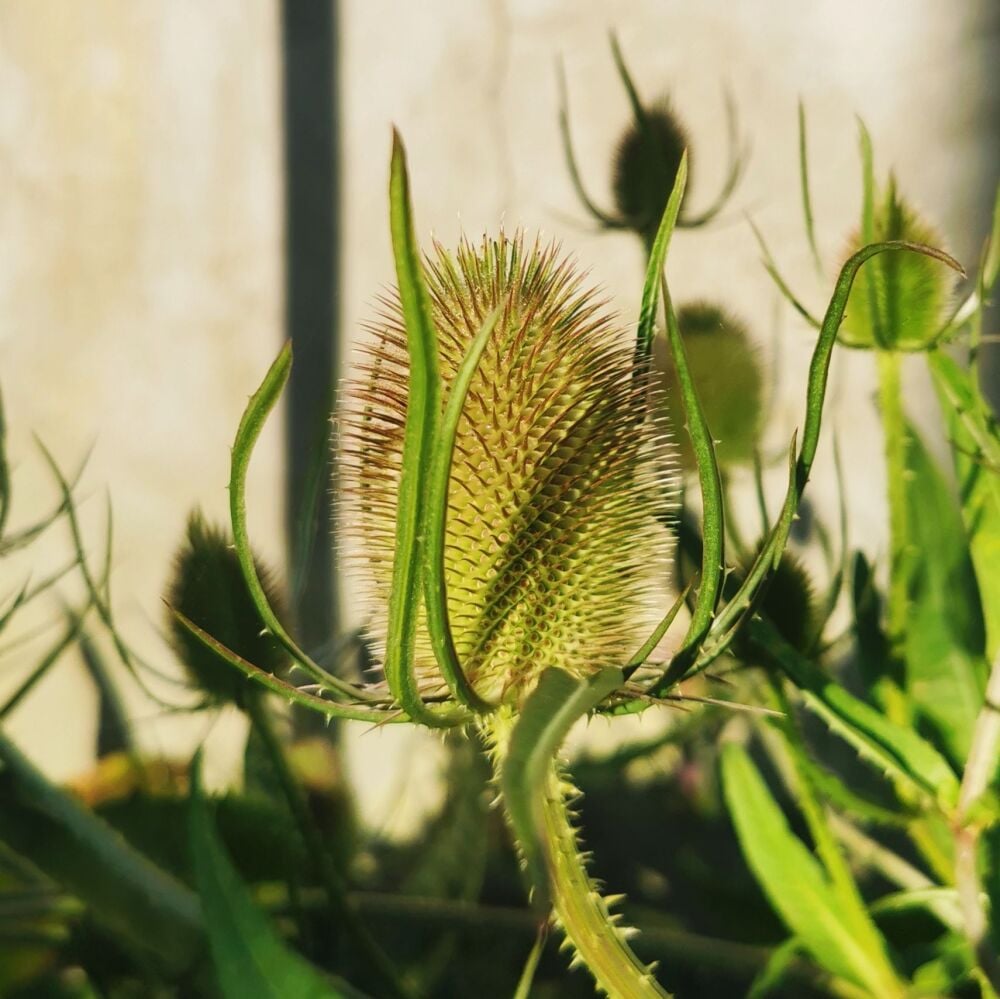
x=312, y=181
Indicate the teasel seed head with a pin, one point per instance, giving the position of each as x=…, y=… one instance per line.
x=553, y=552
x=899, y=300
x=645, y=167
x=207, y=587
x=725, y=366
x=791, y=604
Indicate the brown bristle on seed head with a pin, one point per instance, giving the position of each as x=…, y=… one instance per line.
x=553, y=552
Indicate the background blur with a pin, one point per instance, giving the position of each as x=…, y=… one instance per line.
x=183, y=183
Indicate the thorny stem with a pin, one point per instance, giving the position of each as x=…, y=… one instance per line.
x=577, y=906
x=979, y=769
x=581, y=911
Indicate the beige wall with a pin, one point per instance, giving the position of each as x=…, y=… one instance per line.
x=140, y=221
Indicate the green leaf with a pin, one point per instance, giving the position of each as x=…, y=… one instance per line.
x=249, y=958
x=898, y=751
x=944, y=642
x=878, y=669
x=557, y=703
x=147, y=909
x=419, y=443
x=794, y=882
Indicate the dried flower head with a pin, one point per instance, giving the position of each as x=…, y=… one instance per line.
x=553, y=552
x=646, y=162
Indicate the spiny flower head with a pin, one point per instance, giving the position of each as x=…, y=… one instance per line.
x=899, y=299
x=725, y=367
x=645, y=167
x=208, y=588
x=553, y=552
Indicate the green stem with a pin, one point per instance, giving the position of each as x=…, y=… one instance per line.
x=333, y=885
x=581, y=911
x=894, y=427
x=979, y=768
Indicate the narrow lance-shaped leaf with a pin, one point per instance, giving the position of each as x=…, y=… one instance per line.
x=248, y=956
x=976, y=455
x=793, y=880
x=897, y=751
x=151, y=912
x=944, y=643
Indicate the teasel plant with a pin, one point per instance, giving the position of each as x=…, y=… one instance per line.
x=646, y=162
x=507, y=489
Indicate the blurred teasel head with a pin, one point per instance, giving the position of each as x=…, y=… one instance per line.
x=646, y=161
x=645, y=167
x=553, y=553
x=725, y=366
x=208, y=588
x=899, y=300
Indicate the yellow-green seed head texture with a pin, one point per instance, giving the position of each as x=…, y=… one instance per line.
x=555, y=554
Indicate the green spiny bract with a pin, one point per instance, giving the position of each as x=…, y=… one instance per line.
x=724, y=366
x=899, y=299
x=207, y=587
x=553, y=555
x=646, y=162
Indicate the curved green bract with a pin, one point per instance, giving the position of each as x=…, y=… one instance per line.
x=419, y=447
x=723, y=629
x=332, y=709
x=254, y=417
x=807, y=212
x=435, y=589
x=713, y=518
x=646, y=649
x=638, y=111
x=654, y=269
